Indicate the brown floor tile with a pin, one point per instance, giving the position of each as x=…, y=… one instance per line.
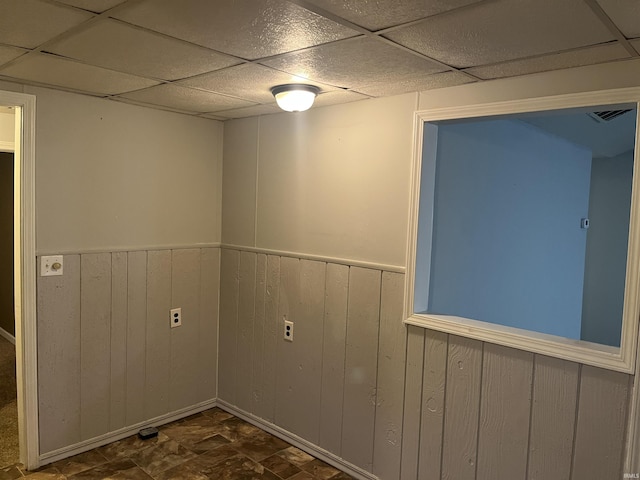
x=45, y=473
x=213, y=445
x=116, y=470
x=342, y=476
x=195, y=431
x=129, y=446
x=209, y=444
x=199, y=468
x=79, y=463
x=303, y=476
x=320, y=469
x=260, y=446
x=217, y=414
x=296, y=456
x=280, y=466
x=162, y=456
x=241, y=468
x=10, y=473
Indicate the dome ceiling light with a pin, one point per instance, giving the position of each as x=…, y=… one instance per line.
x=295, y=97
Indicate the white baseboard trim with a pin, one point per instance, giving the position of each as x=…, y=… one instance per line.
x=7, y=335
x=116, y=435
x=301, y=443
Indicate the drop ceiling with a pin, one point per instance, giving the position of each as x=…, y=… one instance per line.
x=219, y=59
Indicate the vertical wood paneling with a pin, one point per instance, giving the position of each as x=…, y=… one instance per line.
x=208, y=335
x=459, y=444
x=118, y=409
x=59, y=357
x=184, y=340
x=363, y=322
x=95, y=336
x=272, y=329
x=287, y=360
x=246, y=314
x=432, y=412
x=229, y=291
x=390, y=390
x=158, y=344
x=136, y=335
x=258, y=344
x=602, y=412
x=504, y=413
x=307, y=348
x=333, y=352
x=553, y=414
x=412, y=403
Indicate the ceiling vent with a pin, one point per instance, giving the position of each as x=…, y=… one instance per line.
x=606, y=116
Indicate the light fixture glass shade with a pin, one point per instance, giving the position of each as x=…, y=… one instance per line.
x=295, y=98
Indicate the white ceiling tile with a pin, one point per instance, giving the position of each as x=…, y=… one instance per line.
x=186, y=99
x=355, y=62
x=625, y=14
x=9, y=53
x=115, y=45
x=245, y=28
x=379, y=14
x=29, y=23
x=60, y=72
x=97, y=6
x=336, y=97
x=249, y=81
x=248, y=111
x=503, y=30
x=416, y=84
x=574, y=58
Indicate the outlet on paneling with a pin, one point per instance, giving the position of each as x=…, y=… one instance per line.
x=176, y=317
x=51, y=265
x=288, y=331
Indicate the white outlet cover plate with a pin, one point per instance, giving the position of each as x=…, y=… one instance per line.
x=46, y=265
x=176, y=317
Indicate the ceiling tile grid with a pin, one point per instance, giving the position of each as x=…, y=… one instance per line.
x=59, y=72
x=250, y=81
x=248, y=29
x=115, y=45
x=220, y=59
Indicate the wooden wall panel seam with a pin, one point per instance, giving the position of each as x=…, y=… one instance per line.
x=444, y=401
x=575, y=422
x=531, y=393
x=479, y=408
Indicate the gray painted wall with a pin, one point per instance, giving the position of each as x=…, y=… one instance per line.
x=607, y=240
x=402, y=402
x=107, y=358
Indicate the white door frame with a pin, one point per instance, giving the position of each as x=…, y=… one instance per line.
x=25, y=275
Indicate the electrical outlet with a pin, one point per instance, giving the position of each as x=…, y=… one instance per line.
x=176, y=317
x=51, y=265
x=288, y=331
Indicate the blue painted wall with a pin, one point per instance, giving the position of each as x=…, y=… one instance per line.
x=508, y=247
x=607, y=241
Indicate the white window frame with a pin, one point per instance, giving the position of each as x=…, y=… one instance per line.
x=621, y=359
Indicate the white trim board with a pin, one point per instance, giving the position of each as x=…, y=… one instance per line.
x=110, y=437
x=319, y=258
x=6, y=335
x=137, y=248
x=296, y=441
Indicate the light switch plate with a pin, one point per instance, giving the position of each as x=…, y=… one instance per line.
x=51, y=265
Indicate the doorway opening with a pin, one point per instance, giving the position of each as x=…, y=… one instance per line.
x=22, y=149
x=9, y=444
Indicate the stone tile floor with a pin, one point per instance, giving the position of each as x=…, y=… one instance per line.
x=210, y=445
